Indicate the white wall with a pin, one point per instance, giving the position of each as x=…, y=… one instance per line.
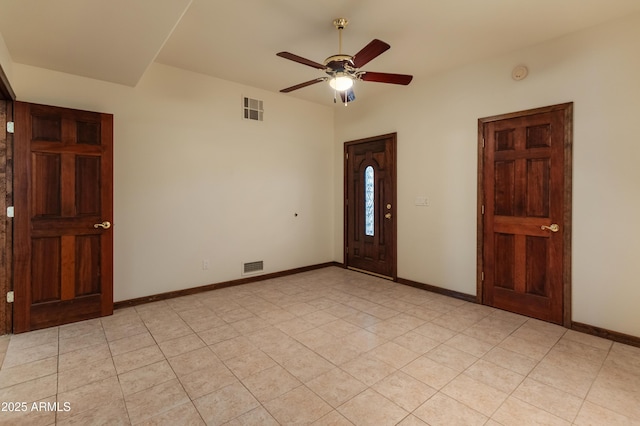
x=194, y=181
x=436, y=120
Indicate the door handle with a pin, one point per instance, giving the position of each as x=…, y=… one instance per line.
x=387, y=216
x=553, y=228
x=104, y=225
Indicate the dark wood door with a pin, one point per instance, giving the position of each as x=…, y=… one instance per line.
x=370, y=205
x=526, y=226
x=63, y=250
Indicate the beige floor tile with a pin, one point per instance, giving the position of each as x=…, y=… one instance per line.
x=249, y=363
x=435, y=332
x=25, y=415
x=339, y=328
x=371, y=408
x=145, y=377
x=294, y=326
x=93, y=337
x=368, y=369
x=513, y=361
x=235, y=315
x=201, y=382
x=617, y=389
x=225, y=404
x=363, y=340
x=525, y=347
x=416, y=342
x=298, y=406
x=470, y=345
x=26, y=372
x=556, y=402
x=495, y=376
x=90, y=397
x=33, y=390
x=112, y=412
x=250, y=325
x=405, y=391
x=154, y=401
x=516, y=412
x=131, y=343
x=233, y=347
x=393, y=354
x=451, y=357
x=430, y=372
x=336, y=386
x=170, y=330
x=184, y=415
x=270, y=383
x=139, y=358
x=16, y=356
x=181, y=345
x=315, y=338
x=218, y=334
x=84, y=374
x=305, y=365
x=119, y=331
x=339, y=352
x=474, y=394
x=571, y=374
x=412, y=420
x=257, y=416
x=594, y=415
x=319, y=318
x=78, y=329
x=192, y=361
x=83, y=356
x=441, y=410
x=334, y=418
x=34, y=338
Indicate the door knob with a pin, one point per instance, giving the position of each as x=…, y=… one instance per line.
x=553, y=228
x=388, y=215
x=104, y=225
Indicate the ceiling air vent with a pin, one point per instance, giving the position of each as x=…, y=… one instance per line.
x=252, y=267
x=252, y=109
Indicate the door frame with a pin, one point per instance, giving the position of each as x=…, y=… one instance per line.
x=567, y=194
x=7, y=96
x=394, y=184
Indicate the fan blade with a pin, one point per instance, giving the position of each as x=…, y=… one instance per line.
x=301, y=60
x=369, y=52
x=301, y=85
x=382, y=77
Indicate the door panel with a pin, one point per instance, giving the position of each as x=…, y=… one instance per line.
x=63, y=184
x=370, y=223
x=523, y=188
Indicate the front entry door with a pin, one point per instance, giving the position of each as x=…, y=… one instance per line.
x=63, y=208
x=370, y=205
x=525, y=209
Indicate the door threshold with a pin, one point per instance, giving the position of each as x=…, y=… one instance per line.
x=386, y=277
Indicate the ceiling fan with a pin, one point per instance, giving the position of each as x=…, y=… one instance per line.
x=343, y=70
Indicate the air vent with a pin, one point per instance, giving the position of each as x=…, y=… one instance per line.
x=252, y=267
x=252, y=109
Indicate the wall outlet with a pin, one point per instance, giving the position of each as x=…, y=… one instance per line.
x=422, y=201
x=205, y=264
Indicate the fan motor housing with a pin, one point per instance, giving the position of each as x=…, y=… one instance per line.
x=339, y=63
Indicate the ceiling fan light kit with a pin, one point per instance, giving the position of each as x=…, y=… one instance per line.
x=343, y=70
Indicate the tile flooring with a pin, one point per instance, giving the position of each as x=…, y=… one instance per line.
x=327, y=347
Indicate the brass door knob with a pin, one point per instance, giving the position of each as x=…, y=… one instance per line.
x=104, y=225
x=387, y=216
x=553, y=228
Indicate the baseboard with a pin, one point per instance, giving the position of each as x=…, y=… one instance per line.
x=627, y=339
x=451, y=293
x=195, y=290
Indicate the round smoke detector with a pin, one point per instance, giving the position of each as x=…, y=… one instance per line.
x=519, y=73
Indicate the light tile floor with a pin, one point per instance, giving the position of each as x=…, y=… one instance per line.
x=327, y=347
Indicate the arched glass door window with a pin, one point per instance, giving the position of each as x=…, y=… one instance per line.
x=369, y=199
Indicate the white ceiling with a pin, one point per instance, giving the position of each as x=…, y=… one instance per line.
x=237, y=40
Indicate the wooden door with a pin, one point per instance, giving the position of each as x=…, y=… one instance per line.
x=63, y=250
x=370, y=205
x=525, y=211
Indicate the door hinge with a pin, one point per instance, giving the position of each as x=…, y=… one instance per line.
x=10, y=297
x=347, y=156
x=10, y=211
x=482, y=209
x=9, y=126
x=483, y=141
x=482, y=276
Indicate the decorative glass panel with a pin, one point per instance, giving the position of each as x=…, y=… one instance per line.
x=368, y=201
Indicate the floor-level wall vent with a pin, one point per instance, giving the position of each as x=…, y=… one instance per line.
x=252, y=109
x=252, y=267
